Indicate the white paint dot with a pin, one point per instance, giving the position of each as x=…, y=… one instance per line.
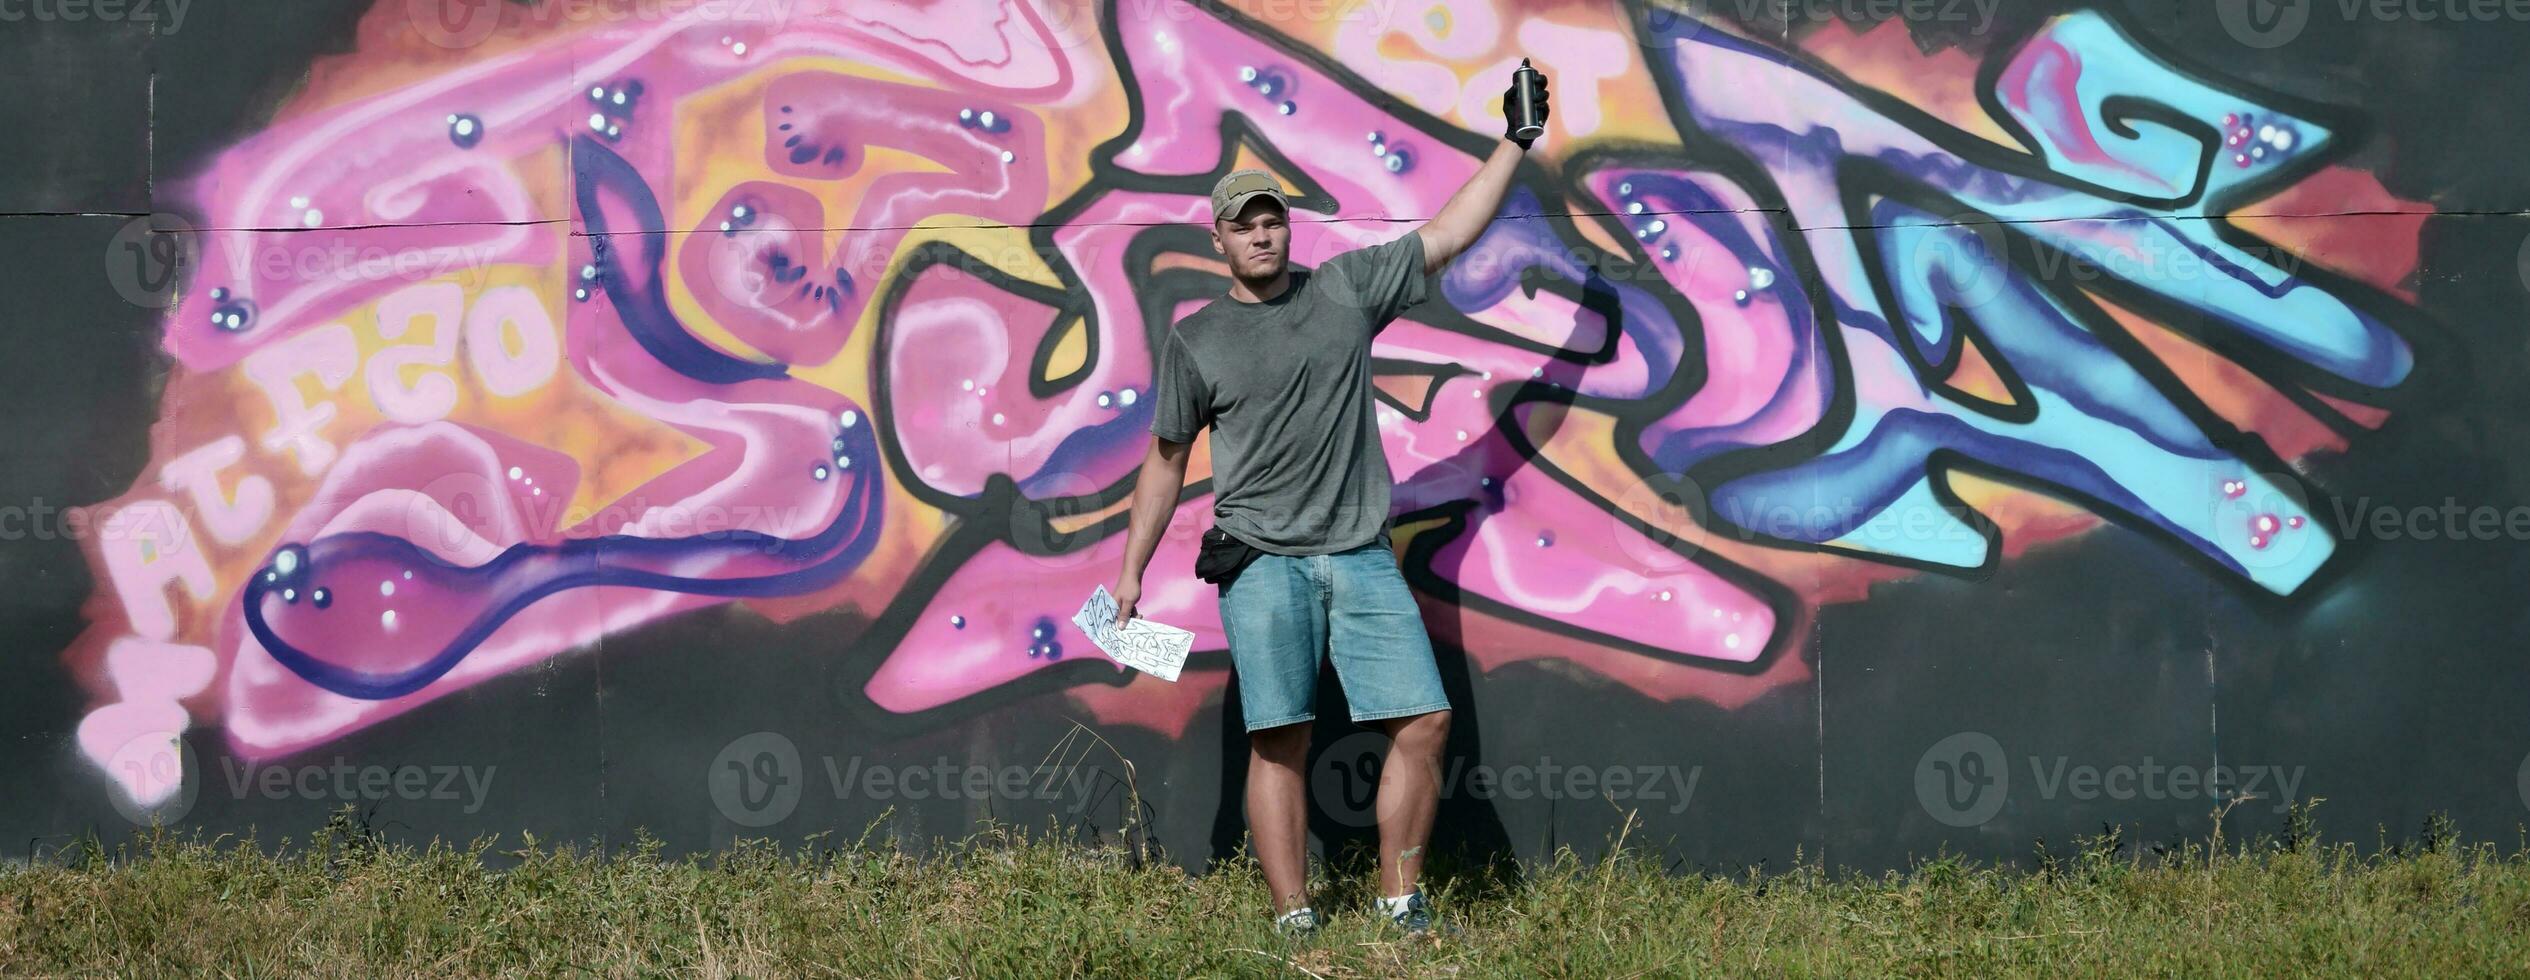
x=387, y=619
x=1731, y=641
x=968, y=384
x=516, y=473
x=997, y=418
x=739, y=49
x=1126, y=396
x=597, y=121
x=386, y=588
x=849, y=418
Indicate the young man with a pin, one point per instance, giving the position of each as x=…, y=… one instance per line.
x=1280, y=370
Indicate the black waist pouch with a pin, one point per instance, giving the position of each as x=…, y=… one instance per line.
x=1222, y=556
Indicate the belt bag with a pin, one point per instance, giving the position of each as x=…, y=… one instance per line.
x=1222, y=556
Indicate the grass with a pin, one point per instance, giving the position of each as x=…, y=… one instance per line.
x=1004, y=903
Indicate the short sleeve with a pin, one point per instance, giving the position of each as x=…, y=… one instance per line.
x=1383, y=279
x=1181, y=404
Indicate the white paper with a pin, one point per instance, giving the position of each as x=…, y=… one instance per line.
x=1143, y=645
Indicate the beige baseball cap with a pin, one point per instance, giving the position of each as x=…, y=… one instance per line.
x=1241, y=186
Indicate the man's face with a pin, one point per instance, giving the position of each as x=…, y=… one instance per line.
x=1256, y=241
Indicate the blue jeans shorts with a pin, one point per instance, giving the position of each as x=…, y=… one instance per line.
x=1284, y=615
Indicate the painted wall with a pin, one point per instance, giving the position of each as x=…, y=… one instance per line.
x=1868, y=433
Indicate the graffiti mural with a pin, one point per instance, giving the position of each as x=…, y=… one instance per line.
x=793, y=305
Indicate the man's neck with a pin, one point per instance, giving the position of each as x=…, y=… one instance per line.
x=1260, y=292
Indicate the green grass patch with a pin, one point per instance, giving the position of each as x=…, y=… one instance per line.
x=1006, y=903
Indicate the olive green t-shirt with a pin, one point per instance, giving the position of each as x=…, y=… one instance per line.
x=1285, y=386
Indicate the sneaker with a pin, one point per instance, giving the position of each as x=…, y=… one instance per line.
x=1410, y=913
x=1298, y=923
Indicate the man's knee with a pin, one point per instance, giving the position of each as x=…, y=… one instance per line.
x=1422, y=734
x=1282, y=745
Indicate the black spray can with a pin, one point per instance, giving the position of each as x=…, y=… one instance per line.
x=1524, y=105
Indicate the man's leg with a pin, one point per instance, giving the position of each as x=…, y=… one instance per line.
x=1278, y=810
x=1384, y=657
x=1274, y=617
x=1409, y=793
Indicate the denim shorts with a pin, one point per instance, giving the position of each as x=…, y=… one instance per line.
x=1284, y=615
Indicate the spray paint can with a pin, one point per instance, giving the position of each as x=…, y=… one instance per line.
x=1524, y=105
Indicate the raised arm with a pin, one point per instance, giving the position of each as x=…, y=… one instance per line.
x=1469, y=210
